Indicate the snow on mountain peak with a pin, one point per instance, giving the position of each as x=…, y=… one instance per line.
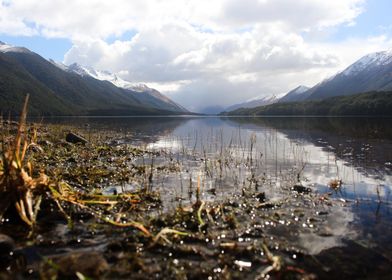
x=107, y=76
x=301, y=89
x=298, y=90
x=4, y=48
x=370, y=60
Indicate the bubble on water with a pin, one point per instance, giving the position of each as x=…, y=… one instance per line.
x=242, y=264
x=217, y=270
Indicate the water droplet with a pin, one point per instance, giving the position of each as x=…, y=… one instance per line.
x=294, y=256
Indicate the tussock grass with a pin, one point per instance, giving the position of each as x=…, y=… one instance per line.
x=19, y=188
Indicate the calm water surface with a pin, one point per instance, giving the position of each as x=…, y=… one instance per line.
x=278, y=151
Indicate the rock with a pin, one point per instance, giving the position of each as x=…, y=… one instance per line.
x=260, y=197
x=325, y=231
x=90, y=264
x=7, y=245
x=45, y=143
x=75, y=139
x=301, y=189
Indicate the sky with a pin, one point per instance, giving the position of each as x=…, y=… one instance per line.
x=203, y=53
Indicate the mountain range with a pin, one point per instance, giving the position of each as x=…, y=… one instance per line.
x=57, y=89
x=372, y=73
x=263, y=101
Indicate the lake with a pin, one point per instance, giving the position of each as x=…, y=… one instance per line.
x=345, y=160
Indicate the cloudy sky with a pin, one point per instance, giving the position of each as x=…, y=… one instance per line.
x=203, y=52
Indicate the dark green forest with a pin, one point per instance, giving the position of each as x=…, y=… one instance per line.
x=369, y=103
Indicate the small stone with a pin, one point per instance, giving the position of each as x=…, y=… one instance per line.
x=75, y=138
x=90, y=264
x=325, y=232
x=7, y=245
x=45, y=143
x=261, y=197
x=301, y=189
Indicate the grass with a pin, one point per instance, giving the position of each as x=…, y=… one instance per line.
x=18, y=185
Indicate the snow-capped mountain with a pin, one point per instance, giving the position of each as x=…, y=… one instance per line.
x=373, y=72
x=254, y=102
x=146, y=93
x=297, y=94
x=369, y=61
x=4, y=48
x=57, y=89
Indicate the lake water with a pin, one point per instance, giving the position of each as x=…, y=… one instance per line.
x=226, y=155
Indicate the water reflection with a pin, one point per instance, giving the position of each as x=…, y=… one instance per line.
x=139, y=130
x=357, y=150
x=274, y=153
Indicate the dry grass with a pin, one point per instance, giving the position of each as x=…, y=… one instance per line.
x=18, y=186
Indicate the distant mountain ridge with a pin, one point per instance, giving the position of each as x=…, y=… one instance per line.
x=144, y=90
x=373, y=72
x=254, y=103
x=361, y=104
x=297, y=94
x=56, y=90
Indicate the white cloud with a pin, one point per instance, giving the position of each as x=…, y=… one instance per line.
x=198, y=51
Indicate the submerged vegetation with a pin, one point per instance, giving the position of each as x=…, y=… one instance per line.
x=106, y=209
